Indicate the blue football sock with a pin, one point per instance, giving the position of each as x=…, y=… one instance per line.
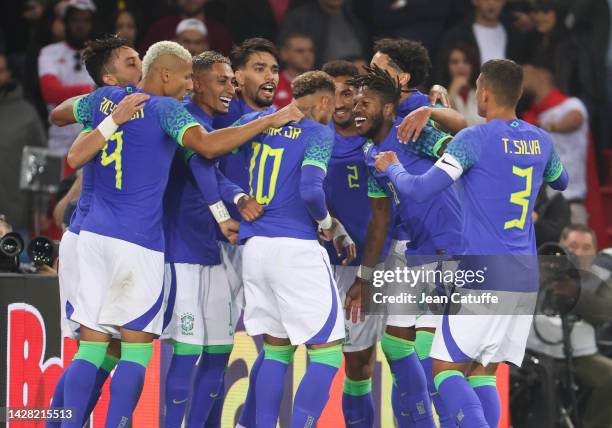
x=208, y=384
x=313, y=392
x=247, y=417
x=270, y=382
x=214, y=417
x=81, y=380
x=178, y=382
x=460, y=399
x=403, y=418
x=357, y=403
x=126, y=386
x=422, y=345
x=57, y=401
x=410, y=379
x=103, y=373
x=486, y=390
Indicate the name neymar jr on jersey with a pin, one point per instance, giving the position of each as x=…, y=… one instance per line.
x=522, y=147
x=107, y=107
x=291, y=132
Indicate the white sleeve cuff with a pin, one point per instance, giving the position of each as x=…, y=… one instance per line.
x=238, y=197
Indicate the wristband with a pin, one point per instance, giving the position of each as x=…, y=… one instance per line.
x=238, y=197
x=325, y=223
x=341, y=231
x=366, y=273
x=219, y=212
x=107, y=127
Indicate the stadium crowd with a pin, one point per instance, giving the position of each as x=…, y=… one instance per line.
x=563, y=46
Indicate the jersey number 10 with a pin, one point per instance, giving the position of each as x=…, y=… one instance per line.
x=262, y=153
x=521, y=198
x=114, y=157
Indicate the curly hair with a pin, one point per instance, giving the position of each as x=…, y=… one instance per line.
x=378, y=80
x=207, y=59
x=311, y=82
x=340, y=67
x=240, y=54
x=97, y=56
x=407, y=56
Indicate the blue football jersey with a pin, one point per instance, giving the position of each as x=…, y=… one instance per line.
x=434, y=226
x=131, y=172
x=346, y=192
x=275, y=161
x=189, y=227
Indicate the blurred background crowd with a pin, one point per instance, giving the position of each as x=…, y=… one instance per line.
x=564, y=46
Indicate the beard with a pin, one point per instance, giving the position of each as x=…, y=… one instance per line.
x=377, y=123
x=263, y=103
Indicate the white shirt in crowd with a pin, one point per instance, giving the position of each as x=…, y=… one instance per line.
x=572, y=147
x=491, y=41
x=468, y=108
x=60, y=60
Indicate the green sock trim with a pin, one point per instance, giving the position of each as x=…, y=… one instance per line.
x=396, y=348
x=442, y=376
x=109, y=363
x=282, y=354
x=219, y=349
x=94, y=352
x=181, y=348
x=422, y=344
x=476, y=381
x=139, y=353
x=357, y=388
x=332, y=355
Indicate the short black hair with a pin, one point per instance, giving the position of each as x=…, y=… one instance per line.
x=293, y=35
x=577, y=227
x=97, y=56
x=380, y=81
x=340, y=67
x=407, y=56
x=207, y=59
x=241, y=53
x=505, y=78
x=311, y=82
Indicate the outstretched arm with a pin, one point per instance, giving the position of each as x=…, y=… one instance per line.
x=63, y=114
x=448, y=119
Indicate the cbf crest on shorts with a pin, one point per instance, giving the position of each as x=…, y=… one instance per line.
x=187, y=324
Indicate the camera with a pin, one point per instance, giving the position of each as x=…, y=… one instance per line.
x=559, y=279
x=41, y=251
x=11, y=246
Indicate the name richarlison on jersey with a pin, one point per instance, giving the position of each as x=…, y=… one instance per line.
x=290, y=132
x=107, y=107
x=522, y=147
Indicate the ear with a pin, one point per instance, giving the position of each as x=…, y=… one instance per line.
x=109, y=80
x=239, y=75
x=197, y=86
x=388, y=110
x=165, y=75
x=404, y=79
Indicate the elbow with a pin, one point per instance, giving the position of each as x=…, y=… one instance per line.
x=73, y=160
x=55, y=118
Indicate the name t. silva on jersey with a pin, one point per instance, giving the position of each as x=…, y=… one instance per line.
x=481, y=298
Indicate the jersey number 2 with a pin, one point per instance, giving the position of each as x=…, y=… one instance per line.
x=114, y=157
x=521, y=198
x=353, y=176
x=261, y=154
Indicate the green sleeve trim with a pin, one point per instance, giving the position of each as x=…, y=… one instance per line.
x=331, y=355
x=377, y=195
x=183, y=130
x=396, y=348
x=93, y=352
x=74, y=110
x=182, y=348
x=441, y=377
x=282, y=354
x=86, y=130
x=554, y=176
x=357, y=388
x=478, y=381
x=139, y=353
x=439, y=144
x=109, y=363
x=422, y=344
x=315, y=163
x=218, y=349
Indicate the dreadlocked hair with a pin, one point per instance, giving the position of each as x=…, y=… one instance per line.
x=379, y=80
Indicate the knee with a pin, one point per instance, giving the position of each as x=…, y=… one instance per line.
x=358, y=367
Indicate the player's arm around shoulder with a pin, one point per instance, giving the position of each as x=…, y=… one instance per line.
x=554, y=173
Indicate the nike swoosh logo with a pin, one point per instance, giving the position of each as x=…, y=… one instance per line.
x=447, y=163
x=175, y=401
x=405, y=413
x=214, y=395
x=358, y=421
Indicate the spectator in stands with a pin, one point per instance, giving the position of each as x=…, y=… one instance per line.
x=297, y=56
x=61, y=73
x=191, y=34
x=459, y=70
x=125, y=27
x=592, y=369
x=566, y=120
x=19, y=126
x=165, y=27
x=551, y=213
x=488, y=34
x=336, y=32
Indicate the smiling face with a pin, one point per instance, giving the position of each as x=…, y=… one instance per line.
x=258, y=79
x=368, y=112
x=343, y=108
x=214, y=87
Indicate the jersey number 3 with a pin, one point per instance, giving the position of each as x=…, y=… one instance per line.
x=262, y=154
x=114, y=157
x=521, y=198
